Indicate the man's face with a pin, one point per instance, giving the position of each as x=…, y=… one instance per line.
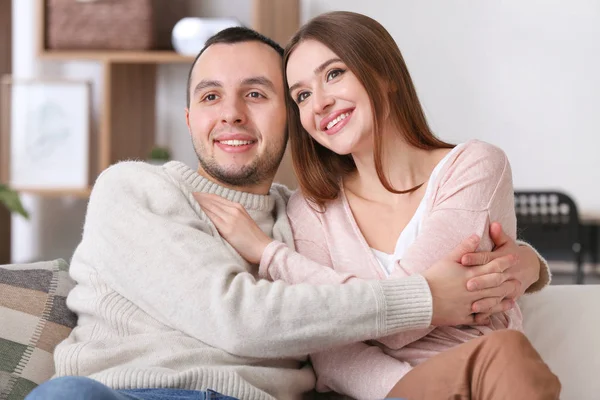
x=237, y=116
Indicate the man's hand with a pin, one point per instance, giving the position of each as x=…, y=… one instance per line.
x=526, y=271
x=452, y=302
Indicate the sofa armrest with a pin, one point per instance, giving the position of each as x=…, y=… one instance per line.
x=563, y=324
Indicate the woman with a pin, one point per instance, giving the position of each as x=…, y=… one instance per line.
x=380, y=195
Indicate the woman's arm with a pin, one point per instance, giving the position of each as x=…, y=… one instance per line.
x=473, y=191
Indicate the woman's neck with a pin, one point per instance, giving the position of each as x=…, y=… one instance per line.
x=404, y=166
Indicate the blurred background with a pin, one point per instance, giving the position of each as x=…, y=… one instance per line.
x=523, y=75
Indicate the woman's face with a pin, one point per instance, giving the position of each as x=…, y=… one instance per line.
x=334, y=106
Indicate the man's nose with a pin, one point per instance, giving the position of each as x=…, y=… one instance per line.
x=321, y=101
x=234, y=112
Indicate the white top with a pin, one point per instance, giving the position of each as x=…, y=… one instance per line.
x=410, y=232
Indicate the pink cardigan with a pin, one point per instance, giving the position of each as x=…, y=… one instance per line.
x=473, y=188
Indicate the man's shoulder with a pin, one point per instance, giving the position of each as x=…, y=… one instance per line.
x=131, y=176
x=131, y=171
x=281, y=191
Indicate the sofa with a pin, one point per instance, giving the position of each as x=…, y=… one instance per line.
x=562, y=322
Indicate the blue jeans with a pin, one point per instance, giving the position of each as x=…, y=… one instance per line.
x=79, y=387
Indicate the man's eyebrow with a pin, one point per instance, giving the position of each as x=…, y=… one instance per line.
x=260, y=81
x=203, y=84
x=317, y=71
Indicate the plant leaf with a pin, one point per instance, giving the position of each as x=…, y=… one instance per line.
x=11, y=200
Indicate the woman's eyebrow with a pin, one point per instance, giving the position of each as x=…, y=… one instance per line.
x=317, y=71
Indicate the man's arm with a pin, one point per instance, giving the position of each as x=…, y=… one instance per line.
x=155, y=250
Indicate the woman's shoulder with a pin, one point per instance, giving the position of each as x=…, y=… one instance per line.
x=472, y=158
x=473, y=172
x=476, y=151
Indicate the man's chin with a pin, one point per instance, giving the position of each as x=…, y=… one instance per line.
x=234, y=175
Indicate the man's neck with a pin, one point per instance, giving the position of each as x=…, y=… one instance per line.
x=260, y=188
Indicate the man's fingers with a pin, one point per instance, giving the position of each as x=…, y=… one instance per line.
x=517, y=292
x=469, y=245
x=481, y=319
x=473, y=259
x=486, y=305
x=484, y=318
x=503, y=306
x=487, y=281
x=495, y=266
x=497, y=235
x=506, y=289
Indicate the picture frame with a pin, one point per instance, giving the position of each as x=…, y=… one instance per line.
x=45, y=134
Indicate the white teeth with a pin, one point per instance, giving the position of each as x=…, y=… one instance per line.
x=338, y=119
x=236, y=142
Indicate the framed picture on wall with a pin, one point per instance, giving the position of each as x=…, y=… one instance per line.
x=45, y=134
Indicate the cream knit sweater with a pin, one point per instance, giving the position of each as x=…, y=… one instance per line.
x=164, y=301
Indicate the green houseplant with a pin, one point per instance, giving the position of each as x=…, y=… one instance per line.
x=10, y=199
x=159, y=155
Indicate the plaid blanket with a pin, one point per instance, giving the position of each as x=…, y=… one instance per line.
x=34, y=318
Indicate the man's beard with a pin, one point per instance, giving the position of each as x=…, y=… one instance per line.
x=261, y=169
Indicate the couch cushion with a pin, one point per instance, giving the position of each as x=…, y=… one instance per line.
x=563, y=324
x=35, y=319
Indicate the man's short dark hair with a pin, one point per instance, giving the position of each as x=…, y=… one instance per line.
x=232, y=35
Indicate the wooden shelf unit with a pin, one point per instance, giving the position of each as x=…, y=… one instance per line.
x=57, y=192
x=127, y=116
x=121, y=57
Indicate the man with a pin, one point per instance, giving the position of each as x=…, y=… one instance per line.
x=168, y=310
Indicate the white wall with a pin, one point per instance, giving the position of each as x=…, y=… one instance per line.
x=521, y=75
x=524, y=75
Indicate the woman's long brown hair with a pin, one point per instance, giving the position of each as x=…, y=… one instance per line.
x=371, y=53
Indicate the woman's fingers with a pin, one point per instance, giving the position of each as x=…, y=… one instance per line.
x=216, y=199
x=215, y=217
x=216, y=211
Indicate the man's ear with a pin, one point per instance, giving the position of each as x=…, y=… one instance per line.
x=187, y=119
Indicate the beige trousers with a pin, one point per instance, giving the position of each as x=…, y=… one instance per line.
x=500, y=366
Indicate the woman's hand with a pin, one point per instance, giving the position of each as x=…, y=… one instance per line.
x=235, y=225
x=526, y=271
